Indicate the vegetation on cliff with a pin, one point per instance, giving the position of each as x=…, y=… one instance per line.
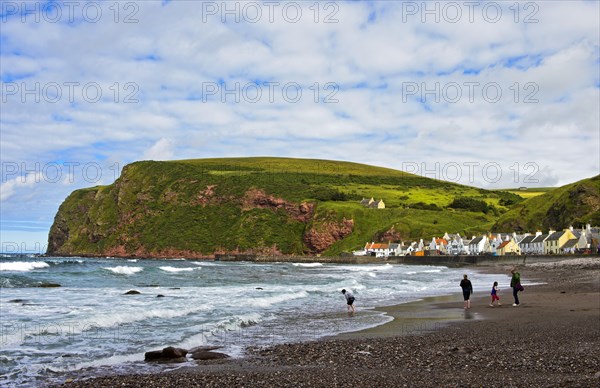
x=196, y=208
x=574, y=204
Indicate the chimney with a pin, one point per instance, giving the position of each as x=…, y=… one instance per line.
x=538, y=233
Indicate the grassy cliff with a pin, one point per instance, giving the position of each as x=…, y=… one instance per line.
x=196, y=208
x=574, y=204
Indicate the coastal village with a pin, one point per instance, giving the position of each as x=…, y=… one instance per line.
x=563, y=242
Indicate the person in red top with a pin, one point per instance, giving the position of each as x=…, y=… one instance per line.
x=495, y=296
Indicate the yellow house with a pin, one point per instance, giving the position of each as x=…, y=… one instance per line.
x=509, y=247
x=556, y=240
x=378, y=205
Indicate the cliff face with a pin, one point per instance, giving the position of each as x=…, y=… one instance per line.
x=172, y=210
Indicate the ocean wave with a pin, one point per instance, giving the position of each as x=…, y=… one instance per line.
x=436, y=270
x=175, y=269
x=271, y=300
x=237, y=322
x=308, y=265
x=204, y=263
x=369, y=268
x=124, y=270
x=65, y=262
x=217, y=329
x=23, y=266
x=125, y=318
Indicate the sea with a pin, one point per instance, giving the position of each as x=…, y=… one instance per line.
x=89, y=326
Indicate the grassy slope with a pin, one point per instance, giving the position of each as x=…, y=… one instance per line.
x=574, y=204
x=531, y=192
x=153, y=204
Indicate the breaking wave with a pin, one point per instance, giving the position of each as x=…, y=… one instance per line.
x=124, y=270
x=23, y=266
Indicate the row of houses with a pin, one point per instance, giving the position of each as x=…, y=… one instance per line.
x=567, y=241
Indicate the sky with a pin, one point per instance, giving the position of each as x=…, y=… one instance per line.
x=488, y=94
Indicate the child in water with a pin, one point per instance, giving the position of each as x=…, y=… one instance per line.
x=495, y=296
x=349, y=301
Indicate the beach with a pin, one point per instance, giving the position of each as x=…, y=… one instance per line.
x=551, y=339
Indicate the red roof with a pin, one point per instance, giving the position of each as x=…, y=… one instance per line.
x=380, y=246
x=505, y=243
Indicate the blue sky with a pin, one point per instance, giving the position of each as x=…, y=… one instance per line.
x=440, y=89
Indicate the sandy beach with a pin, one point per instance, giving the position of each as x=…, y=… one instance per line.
x=551, y=339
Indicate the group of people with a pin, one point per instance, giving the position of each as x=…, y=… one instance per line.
x=467, y=289
x=515, y=284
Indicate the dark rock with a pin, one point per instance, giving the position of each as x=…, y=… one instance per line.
x=160, y=296
x=204, y=348
x=17, y=301
x=132, y=292
x=206, y=355
x=168, y=354
x=259, y=288
x=49, y=285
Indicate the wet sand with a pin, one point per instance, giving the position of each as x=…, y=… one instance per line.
x=551, y=339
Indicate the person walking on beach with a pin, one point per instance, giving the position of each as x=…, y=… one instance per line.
x=349, y=301
x=495, y=296
x=467, y=289
x=515, y=283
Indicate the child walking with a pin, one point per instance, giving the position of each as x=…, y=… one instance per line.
x=495, y=296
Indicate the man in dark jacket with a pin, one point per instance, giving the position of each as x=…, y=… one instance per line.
x=467, y=289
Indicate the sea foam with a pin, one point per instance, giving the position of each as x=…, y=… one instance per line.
x=124, y=270
x=174, y=269
x=23, y=266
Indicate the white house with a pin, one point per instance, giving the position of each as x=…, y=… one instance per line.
x=379, y=249
x=582, y=241
x=526, y=244
x=456, y=246
x=438, y=246
x=496, y=239
x=466, y=244
x=536, y=246
x=478, y=245
x=421, y=245
x=395, y=249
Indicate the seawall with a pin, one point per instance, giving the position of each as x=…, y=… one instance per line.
x=425, y=260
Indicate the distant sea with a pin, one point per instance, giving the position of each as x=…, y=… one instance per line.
x=88, y=325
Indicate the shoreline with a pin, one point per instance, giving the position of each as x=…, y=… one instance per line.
x=421, y=316
x=444, y=260
x=551, y=339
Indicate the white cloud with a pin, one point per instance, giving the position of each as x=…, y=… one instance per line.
x=11, y=187
x=161, y=150
x=372, y=52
